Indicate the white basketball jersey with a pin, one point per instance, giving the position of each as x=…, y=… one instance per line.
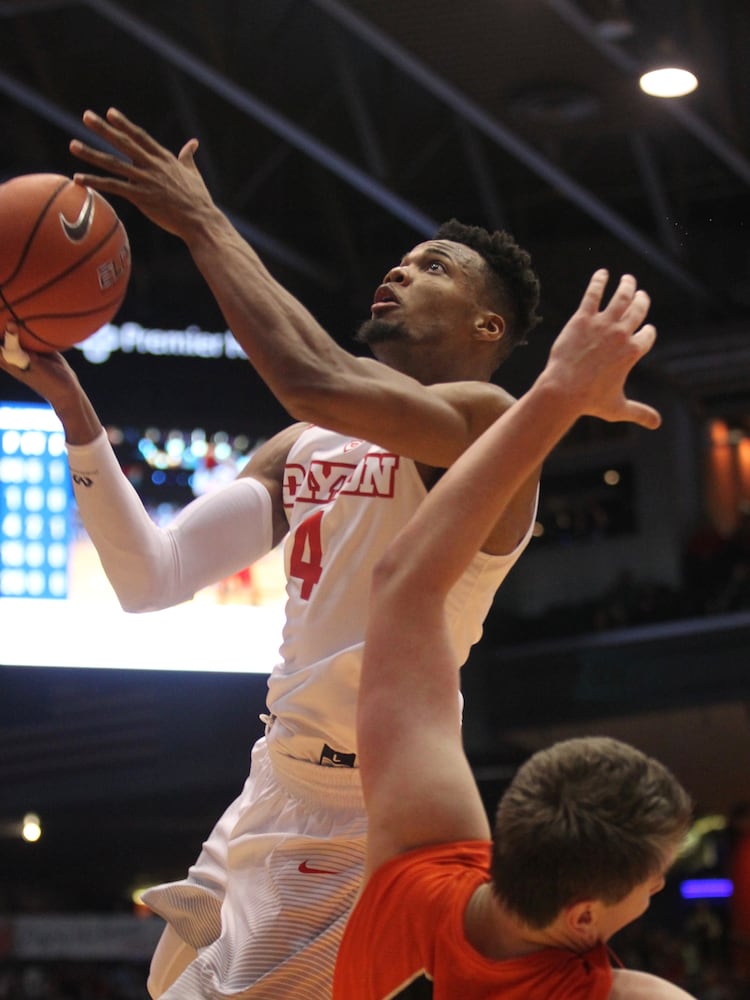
x=345, y=501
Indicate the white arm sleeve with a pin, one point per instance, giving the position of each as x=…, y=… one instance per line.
x=151, y=567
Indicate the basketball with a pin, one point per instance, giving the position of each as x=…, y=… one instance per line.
x=64, y=261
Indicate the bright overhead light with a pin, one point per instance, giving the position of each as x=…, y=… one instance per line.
x=669, y=81
x=31, y=828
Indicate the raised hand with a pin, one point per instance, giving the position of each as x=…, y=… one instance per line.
x=597, y=348
x=11, y=351
x=52, y=378
x=49, y=375
x=168, y=189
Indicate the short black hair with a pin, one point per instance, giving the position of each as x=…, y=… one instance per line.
x=512, y=280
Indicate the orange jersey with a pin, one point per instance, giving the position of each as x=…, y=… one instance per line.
x=405, y=938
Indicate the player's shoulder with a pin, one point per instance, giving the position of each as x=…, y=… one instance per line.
x=480, y=402
x=270, y=457
x=475, y=391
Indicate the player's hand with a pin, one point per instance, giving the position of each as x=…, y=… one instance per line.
x=11, y=351
x=49, y=375
x=168, y=189
x=598, y=347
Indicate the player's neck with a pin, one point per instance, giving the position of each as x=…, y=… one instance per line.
x=493, y=931
x=497, y=934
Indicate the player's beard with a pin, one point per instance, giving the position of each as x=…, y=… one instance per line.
x=380, y=331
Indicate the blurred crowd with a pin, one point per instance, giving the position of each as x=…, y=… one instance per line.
x=73, y=981
x=715, y=581
x=697, y=959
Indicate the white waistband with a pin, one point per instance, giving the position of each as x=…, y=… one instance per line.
x=308, y=779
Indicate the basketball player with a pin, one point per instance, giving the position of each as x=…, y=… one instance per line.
x=266, y=901
x=586, y=830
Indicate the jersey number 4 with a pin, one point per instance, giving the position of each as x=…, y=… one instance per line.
x=306, y=561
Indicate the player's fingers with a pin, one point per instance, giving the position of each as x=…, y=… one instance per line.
x=127, y=144
x=97, y=158
x=622, y=297
x=138, y=135
x=644, y=338
x=11, y=350
x=106, y=185
x=188, y=151
x=592, y=297
x=642, y=414
x=99, y=126
x=637, y=311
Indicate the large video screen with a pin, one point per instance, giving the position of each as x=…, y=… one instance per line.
x=57, y=608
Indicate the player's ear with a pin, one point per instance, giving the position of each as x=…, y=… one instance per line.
x=489, y=326
x=581, y=921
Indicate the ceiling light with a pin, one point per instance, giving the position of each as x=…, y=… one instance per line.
x=31, y=828
x=666, y=74
x=668, y=81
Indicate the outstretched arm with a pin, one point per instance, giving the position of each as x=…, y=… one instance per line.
x=151, y=567
x=315, y=379
x=51, y=377
x=417, y=782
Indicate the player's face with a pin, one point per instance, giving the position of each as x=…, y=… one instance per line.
x=434, y=293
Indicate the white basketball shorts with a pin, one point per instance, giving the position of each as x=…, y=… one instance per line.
x=266, y=902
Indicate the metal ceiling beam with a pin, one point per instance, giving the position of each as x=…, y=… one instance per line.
x=512, y=143
x=655, y=191
x=246, y=102
x=10, y=9
x=354, y=99
x=29, y=98
x=569, y=12
x=22, y=94
x=476, y=157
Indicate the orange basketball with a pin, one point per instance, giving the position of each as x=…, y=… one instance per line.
x=64, y=261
